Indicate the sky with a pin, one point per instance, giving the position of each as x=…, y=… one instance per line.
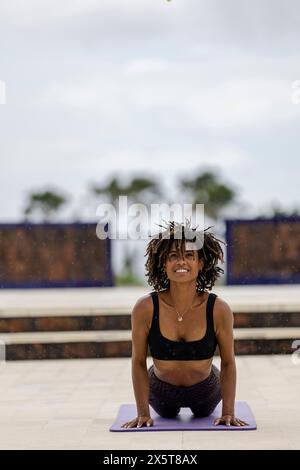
x=96, y=88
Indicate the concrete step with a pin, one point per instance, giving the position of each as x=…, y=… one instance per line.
x=116, y=321
x=120, y=300
x=91, y=344
x=95, y=322
x=110, y=308
x=85, y=322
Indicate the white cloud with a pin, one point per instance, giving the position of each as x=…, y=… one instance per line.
x=142, y=67
x=118, y=96
x=241, y=104
x=33, y=15
x=96, y=87
x=256, y=23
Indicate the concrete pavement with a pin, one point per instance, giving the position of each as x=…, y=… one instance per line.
x=70, y=404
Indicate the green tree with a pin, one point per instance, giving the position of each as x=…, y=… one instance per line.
x=138, y=190
x=127, y=276
x=112, y=190
x=278, y=211
x=45, y=204
x=206, y=189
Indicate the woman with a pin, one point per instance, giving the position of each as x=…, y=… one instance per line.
x=183, y=323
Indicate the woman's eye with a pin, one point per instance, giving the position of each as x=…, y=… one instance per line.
x=190, y=255
x=172, y=256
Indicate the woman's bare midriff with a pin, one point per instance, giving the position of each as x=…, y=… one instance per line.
x=182, y=373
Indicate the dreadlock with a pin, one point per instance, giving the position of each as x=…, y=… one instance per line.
x=160, y=245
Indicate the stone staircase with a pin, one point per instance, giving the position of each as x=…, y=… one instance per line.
x=95, y=323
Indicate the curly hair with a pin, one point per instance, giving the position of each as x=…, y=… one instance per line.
x=160, y=245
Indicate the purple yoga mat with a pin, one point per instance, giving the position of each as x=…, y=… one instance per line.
x=185, y=421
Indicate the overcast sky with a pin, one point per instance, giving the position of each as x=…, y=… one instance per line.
x=102, y=87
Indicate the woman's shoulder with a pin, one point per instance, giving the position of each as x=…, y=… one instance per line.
x=222, y=310
x=144, y=302
x=143, y=309
x=221, y=304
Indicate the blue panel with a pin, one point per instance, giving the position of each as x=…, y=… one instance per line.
x=106, y=280
x=262, y=278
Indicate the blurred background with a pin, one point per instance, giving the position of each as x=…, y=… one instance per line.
x=182, y=101
x=165, y=102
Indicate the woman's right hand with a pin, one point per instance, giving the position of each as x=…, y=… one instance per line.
x=139, y=422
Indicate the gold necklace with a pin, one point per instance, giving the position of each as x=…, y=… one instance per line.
x=180, y=315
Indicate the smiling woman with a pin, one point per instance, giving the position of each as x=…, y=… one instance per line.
x=183, y=323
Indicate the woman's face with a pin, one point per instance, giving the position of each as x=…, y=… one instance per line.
x=183, y=267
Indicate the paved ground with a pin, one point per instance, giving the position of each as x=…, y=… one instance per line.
x=70, y=404
x=116, y=300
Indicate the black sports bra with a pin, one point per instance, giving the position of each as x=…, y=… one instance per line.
x=167, y=349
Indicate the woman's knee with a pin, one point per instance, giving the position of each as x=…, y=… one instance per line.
x=204, y=410
x=168, y=413
x=201, y=412
x=164, y=410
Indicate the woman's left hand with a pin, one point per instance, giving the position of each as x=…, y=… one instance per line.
x=229, y=420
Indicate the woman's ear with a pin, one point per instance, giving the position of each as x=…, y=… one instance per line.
x=201, y=264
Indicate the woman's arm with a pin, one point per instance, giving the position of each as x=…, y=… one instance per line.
x=140, y=380
x=224, y=332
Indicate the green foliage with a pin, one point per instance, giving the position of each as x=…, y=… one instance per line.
x=46, y=203
x=143, y=190
x=127, y=276
x=206, y=189
x=127, y=280
x=277, y=211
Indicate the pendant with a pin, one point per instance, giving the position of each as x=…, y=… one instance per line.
x=180, y=318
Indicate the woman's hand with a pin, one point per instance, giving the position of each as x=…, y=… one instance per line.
x=139, y=422
x=229, y=420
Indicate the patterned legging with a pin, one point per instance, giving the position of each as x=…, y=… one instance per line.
x=202, y=398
